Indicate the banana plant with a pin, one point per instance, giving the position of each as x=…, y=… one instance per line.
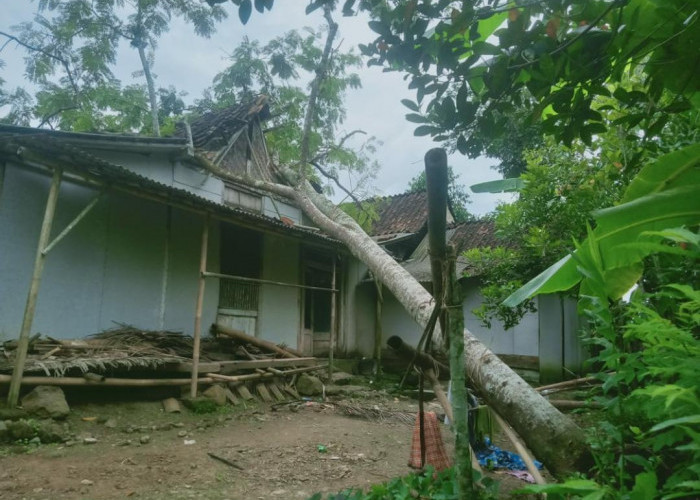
x=664, y=195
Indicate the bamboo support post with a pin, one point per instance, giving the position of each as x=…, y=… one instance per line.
x=378, y=332
x=331, y=346
x=200, y=302
x=23, y=342
x=520, y=448
x=244, y=337
x=108, y=382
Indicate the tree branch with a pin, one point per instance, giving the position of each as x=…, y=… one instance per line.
x=316, y=85
x=64, y=63
x=335, y=179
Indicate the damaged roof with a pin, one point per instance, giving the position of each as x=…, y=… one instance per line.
x=47, y=148
x=215, y=128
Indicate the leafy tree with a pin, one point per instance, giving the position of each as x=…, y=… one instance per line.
x=72, y=46
x=456, y=193
x=473, y=63
x=279, y=69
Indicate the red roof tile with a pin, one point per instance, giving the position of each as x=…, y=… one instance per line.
x=401, y=213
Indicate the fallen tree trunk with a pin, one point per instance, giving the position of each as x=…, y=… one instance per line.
x=553, y=437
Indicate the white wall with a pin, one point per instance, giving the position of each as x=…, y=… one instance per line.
x=108, y=268
x=279, y=316
x=521, y=339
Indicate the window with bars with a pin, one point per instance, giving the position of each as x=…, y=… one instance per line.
x=235, y=294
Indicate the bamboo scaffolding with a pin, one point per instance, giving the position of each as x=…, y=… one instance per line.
x=331, y=346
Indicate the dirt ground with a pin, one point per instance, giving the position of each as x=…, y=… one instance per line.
x=287, y=452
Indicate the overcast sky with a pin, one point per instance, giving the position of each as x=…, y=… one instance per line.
x=190, y=63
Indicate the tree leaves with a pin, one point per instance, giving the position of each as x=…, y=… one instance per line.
x=664, y=195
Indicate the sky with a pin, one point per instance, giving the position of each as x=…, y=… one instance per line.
x=190, y=63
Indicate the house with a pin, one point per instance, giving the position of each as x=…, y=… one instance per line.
x=545, y=341
x=121, y=224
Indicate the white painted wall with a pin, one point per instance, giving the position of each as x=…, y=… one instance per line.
x=522, y=339
x=109, y=268
x=279, y=315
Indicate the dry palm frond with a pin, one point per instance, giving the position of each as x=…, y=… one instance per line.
x=375, y=413
x=58, y=368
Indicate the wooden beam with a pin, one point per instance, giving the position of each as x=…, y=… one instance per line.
x=261, y=343
x=73, y=223
x=226, y=367
x=255, y=376
x=198, y=310
x=113, y=382
x=39, y=260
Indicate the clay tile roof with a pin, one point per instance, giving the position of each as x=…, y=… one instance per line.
x=401, y=213
x=215, y=128
x=475, y=234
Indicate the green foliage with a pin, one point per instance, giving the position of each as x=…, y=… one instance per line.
x=663, y=195
x=649, y=444
x=457, y=194
x=71, y=49
x=436, y=486
x=474, y=64
x=559, y=190
x=276, y=69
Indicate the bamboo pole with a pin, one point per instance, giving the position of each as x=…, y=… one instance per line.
x=244, y=337
x=331, y=346
x=447, y=406
x=569, y=383
x=267, y=282
x=255, y=376
x=520, y=448
x=378, y=332
x=110, y=382
x=200, y=302
x=23, y=343
x=73, y=223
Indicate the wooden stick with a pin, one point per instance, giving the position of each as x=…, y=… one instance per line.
x=110, y=382
x=255, y=376
x=520, y=448
x=51, y=353
x=226, y=461
x=447, y=406
x=569, y=383
x=39, y=260
x=198, y=311
x=244, y=337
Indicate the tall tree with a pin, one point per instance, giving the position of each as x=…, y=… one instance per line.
x=287, y=70
x=72, y=47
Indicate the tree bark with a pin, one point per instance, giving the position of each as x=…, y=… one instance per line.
x=153, y=99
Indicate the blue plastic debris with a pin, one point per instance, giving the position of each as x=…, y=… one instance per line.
x=492, y=457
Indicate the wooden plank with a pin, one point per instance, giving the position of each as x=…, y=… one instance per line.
x=230, y=396
x=263, y=392
x=276, y=392
x=109, y=382
x=255, y=376
x=261, y=343
x=291, y=391
x=186, y=367
x=244, y=393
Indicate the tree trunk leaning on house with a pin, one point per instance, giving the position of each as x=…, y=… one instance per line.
x=551, y=435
